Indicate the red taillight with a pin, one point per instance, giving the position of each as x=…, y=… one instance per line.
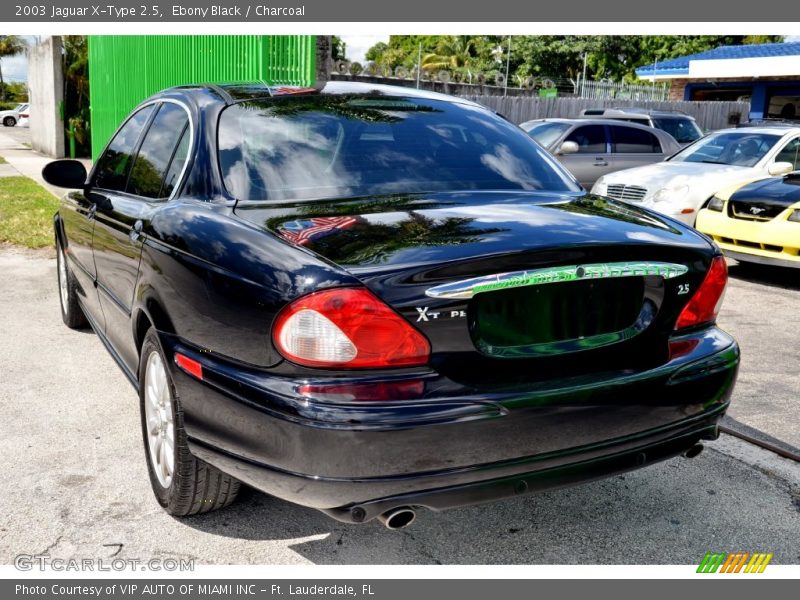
x=707, y=300
x=189, y=365
x=347, y=328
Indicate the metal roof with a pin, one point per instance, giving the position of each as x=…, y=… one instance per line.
x=680, y=66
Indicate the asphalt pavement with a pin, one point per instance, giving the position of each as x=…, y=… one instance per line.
x=75, y=482
x=762, y=311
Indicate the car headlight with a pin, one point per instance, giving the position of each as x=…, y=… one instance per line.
x=670, y=193
x=715, y=204
x=795, y=216
x=600, y=187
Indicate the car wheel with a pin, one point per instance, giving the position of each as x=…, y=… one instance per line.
x=71, y=312
x=9, y=121
x=183, y=484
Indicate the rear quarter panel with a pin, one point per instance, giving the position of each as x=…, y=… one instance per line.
x=218, y=282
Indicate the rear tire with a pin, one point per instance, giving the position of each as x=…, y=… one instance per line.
x=71, y=311
x=9, y=121
x=183, y=484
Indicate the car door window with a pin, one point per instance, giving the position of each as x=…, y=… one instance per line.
x=113, y=166
x=790, y=153
x=591, y=139
x=156, y=151
x=630, y=140
x=176, y=166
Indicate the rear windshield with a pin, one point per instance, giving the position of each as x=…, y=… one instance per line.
x=343, y=146
x=737, y=148
x=683, y=130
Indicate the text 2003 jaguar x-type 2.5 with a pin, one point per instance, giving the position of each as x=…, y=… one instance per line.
x=368, y=300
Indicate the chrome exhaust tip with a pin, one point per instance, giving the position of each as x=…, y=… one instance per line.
x=694, y=451
x=398, y=518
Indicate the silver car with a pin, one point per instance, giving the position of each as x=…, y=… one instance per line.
x=591, y=148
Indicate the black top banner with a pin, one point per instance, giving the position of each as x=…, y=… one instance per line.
x=126, y=11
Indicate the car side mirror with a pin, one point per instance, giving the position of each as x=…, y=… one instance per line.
x=568, y=148
x=65, y=173
x=780, y=168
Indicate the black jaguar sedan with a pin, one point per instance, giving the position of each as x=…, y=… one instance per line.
x=370, y=300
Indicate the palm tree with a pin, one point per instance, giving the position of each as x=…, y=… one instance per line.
x=10, y=45
x=454, y=52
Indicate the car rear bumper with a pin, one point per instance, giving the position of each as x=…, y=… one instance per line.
x=450, y=448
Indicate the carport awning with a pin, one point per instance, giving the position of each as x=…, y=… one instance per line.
x=773, y=66
x=749, y=60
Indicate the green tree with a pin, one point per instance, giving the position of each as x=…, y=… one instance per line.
x=453, y=52
x=402, y=50
x=338, y=48
x=10, y=45
x=376, y=52
x=76, y=90
x=606, y=56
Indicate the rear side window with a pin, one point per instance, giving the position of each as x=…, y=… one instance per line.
x=176, y=166
x=629, y=140
x=157, y=150
x=683, y=130
x=591, y=139
x=114, y=165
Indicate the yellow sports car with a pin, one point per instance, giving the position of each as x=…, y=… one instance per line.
x=757, y=221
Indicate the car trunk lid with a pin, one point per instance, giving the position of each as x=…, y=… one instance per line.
x=565, y=278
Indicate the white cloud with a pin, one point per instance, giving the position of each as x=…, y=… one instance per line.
x=15, y=68
x=357, y=45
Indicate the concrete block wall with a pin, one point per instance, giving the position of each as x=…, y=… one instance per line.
x=46, y=85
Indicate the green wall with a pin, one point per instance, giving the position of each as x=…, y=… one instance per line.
x=126, y=69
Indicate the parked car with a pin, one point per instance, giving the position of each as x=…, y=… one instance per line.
x=370, y=299
x=757, y=222
x=681, y=185
x=682, y=127
x=590, y=149
x=9, y=118
x=24, y=119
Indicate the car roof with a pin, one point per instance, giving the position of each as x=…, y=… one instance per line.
x=232, y=93
x=774, y=130
x=635, y=111
x=583, y=122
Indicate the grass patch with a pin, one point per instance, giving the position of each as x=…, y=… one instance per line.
x=26, y=212
x=2, y=160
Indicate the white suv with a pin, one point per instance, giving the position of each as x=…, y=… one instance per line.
x=681, y=185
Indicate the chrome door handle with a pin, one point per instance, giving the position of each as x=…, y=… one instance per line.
x=136, y=231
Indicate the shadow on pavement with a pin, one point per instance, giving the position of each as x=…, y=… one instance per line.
x=657, y=515
x=783, y=277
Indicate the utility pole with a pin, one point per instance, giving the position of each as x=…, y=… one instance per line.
x=583, y=78
x=508, y=64
x=419, y=62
